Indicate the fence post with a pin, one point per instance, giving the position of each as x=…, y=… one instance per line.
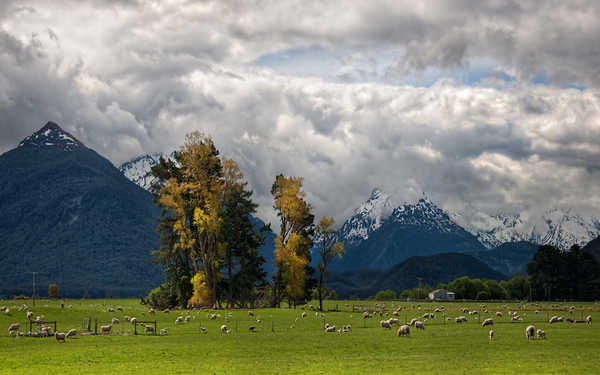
x=155, y=328
x=135, y=328
x=95, y=326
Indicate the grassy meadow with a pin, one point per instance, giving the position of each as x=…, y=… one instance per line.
x=286, y=343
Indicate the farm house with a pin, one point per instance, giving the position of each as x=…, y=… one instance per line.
x=441, y=294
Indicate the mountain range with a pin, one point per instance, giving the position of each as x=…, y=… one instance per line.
x=70, y=216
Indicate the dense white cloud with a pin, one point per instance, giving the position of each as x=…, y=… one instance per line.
x=134, y=77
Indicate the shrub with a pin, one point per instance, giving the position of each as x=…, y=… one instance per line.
x=53, y=291
x=383, y=295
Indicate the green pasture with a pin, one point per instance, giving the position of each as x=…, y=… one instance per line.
x=286, y=343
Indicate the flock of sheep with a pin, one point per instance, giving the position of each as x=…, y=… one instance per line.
x=388, y=323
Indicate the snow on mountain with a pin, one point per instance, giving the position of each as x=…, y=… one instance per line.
x=426, y=214
x=52, y=136
x=367, y=218
x=138, y=170
x=556, y=227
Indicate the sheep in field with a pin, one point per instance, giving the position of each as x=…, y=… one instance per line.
x=366, y=315
x=250, y=313
x=385, y=324
x=14, y=327
x=163, y=331
x=554, y=319
x=179, y=320
x=393, y=321
x=412, y=322
x=530, y=332
x=541, y=334
x=491, y=334
x=223, y=328
x=149, y=328
x=187, y=318
x=60, y=336
x=212, y=316
x=588, y=319
x=487, y=322
x=71, y=333
x=105, y=329
x=115, y=321
x=404, y=330
x=499, y=314
x=29, y=314
x=133, y=321
x=461, y=319
x=330, y=329
x=419, y=325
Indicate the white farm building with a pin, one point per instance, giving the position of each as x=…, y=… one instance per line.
x=441, y=294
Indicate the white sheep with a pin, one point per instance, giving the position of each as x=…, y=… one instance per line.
x=72, y=332
x=330, y=329
x=385, y=324
x=29, y=314
x=115, y=321
x=412, y=322
x=166, y=311
x=223, y=328
x=14, y=327
x=60, y=336
x=105, y=329
x=187, y=319
x=554, y=319
x=127, y=319
x=588, y=319
x=250, y=313
x=419, y=325
x=179, y=320
x=530, y=332
x=499, y=314
x=461, y=319
x=163, y=331
x=151, y=311
x=149, y=328
x=487, y=322
x=202, y=329
x=304, y=314
x=366, y=315
x=393, y=321
x=491, y=334
x=541, y=334
x=212, y=316
x=133, y=321
x=404, y=330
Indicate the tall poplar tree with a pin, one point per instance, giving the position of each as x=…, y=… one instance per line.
x=328, y=250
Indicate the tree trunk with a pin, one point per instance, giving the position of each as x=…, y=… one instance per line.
x=320, y=290
x=229, y=274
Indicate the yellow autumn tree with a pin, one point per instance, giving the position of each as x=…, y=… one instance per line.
x=292, y=249
x=202, y=294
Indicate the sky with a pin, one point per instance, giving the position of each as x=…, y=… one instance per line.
x=484, y=106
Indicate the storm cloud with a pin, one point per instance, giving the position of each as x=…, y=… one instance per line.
x=133, y=77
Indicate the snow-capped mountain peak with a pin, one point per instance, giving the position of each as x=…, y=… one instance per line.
x=368, y=217
x=52, y=136
x=138, y=170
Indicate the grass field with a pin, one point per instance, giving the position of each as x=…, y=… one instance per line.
x=283, y=345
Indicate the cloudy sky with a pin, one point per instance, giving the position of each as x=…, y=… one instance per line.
x=485, y=106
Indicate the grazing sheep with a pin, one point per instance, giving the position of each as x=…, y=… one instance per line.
x=250, y=313
x=569, y=320
x=404, y=330
x=393, y=321
x=487, y=322
x=7, y=311
x=29, y=314
x=71, y=333
x=366, y=315
x=474, y=312
x=212, y=316
x=412, y=321
x=347, y=328
x=60, y=336
x=541, y=334
x=115, y=321
x=202, y=329
x=149, y=328
x=105, y=329
x=223, y=328
x=252, y=329
x=166, y=311
x=530, y=332
x=491, y=334
x=119, y=308
x=419, y=325
x=499, y=314
x=461, y=319
x=588, y=319
x=110, y=309
x=554, y=319
x=133, y=321
x=14, y=327
x=330, y=329
x=304, y=314
x=187, y=319
x=516, y=318
x=179, y=320
x=395, y=313
x=385, y=324
x=127, y=319
x=163, y=331
x=151, y=311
